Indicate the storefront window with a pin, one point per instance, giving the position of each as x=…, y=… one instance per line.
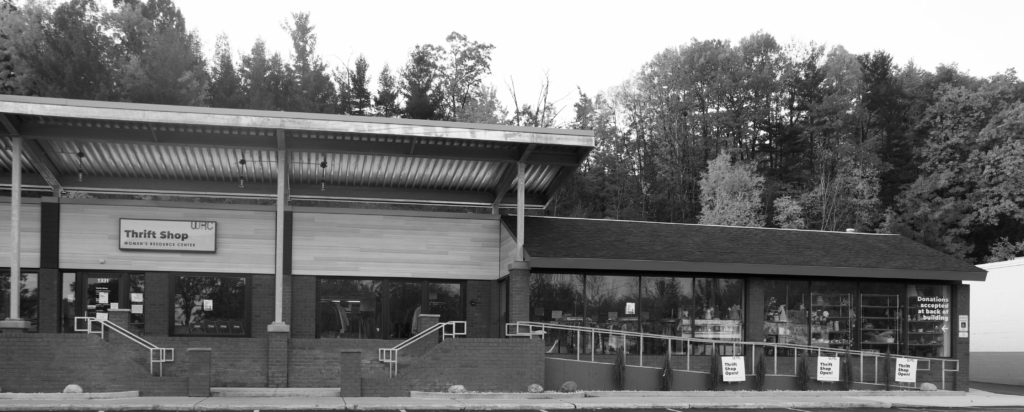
x=29, y=298
x=881, y=314
x=612, y=304
x=68, y=298
x=349, y=308
x=929, y=324
x=719, y=307
x=665, y=307
x=383, y=308
x=556, y=298
x=832, y=314
x=445, y=299
x=210, y=305
x=785, y=312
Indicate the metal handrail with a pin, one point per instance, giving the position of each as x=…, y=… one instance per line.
x=157, y=355
x=448, y=330
x=534, y=329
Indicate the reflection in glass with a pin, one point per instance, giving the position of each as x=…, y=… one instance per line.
x=404, y=307
x=666, y=304
x=831, y=314
x=785, y=312
x=612, y=304
x=349, y=308
x=719, y=306
x=445, y=299
x=29, y=298
x=210, y=305
x=67, y=302
x=558, y=298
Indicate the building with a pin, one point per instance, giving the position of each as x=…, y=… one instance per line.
x=997, y=348
x=194, y=237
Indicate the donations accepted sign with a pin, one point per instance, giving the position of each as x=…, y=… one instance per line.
x=168, y=235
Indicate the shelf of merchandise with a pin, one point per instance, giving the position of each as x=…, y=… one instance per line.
x=880, y=326
x=831, y=320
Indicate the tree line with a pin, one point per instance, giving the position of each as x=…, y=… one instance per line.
x=753, y=133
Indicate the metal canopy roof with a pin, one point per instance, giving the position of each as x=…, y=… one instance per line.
x=105, y=147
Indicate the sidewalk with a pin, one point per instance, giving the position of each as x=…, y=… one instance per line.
x=554, y=401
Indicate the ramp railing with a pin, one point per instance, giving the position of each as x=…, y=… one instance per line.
x=778, y=359
x=449, y=330
x=157, y=355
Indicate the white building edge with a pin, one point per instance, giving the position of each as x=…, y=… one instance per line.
x=996, y=328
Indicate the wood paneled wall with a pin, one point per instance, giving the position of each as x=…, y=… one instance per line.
x=89, y=240
x=326, y=244
x=508, y=250
x=30, y=218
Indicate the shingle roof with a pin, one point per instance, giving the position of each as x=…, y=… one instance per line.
x=559, y=242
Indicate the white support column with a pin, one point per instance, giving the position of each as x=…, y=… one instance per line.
x=14, y=321
x=282, y=199
x=520, y=210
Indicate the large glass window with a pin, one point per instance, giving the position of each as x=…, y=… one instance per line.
x=881, y=316
x=719, y=306
x=383, y=308
x=707, y=308
x=928, y=325
x=665, y=307
x=785, y=312
x=556, y=298
x=349, y=308
x=210, y=305
x=29, y=298
x=831, y=314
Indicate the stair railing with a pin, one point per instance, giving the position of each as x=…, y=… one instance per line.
x=449, y=330
x=157, y=355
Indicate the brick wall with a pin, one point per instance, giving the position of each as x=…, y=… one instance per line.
x=486, y=365
x=48, y=362
x=156, y=303
x=519, y=292
x=962, y=348
x=303, y=321
x=236, y=362
x=262, y=304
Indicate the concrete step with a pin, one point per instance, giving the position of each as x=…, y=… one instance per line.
x=275, y=392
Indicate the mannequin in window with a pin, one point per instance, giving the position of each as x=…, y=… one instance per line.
x=414, y=326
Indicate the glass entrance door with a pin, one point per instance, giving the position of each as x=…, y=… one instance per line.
x=97, y=294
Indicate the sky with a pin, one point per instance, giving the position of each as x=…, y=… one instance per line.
x=595, y=45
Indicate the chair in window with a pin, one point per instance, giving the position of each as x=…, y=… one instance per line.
x=195, y=328
x=236, y=328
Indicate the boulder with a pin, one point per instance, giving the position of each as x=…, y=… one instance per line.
x=72, y=388
x=456, y=389
x=928, y=386
x=569, y=386
x=534, y=388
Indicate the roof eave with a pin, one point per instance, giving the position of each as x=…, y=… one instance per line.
x=753, y=269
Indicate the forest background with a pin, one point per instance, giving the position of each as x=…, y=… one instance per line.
x=755, y=133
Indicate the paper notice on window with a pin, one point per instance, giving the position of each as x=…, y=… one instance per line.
x=136, y=297
x=207, y=305
x=630, y=308
x=114, y=306
x=101, y=315
x=102, y=297
x=137, y=309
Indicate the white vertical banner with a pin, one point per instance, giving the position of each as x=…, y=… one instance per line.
x=733, y=369
x=906, y=370
x=828, y=369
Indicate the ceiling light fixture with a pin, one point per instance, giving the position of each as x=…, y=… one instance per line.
x=241, y=173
